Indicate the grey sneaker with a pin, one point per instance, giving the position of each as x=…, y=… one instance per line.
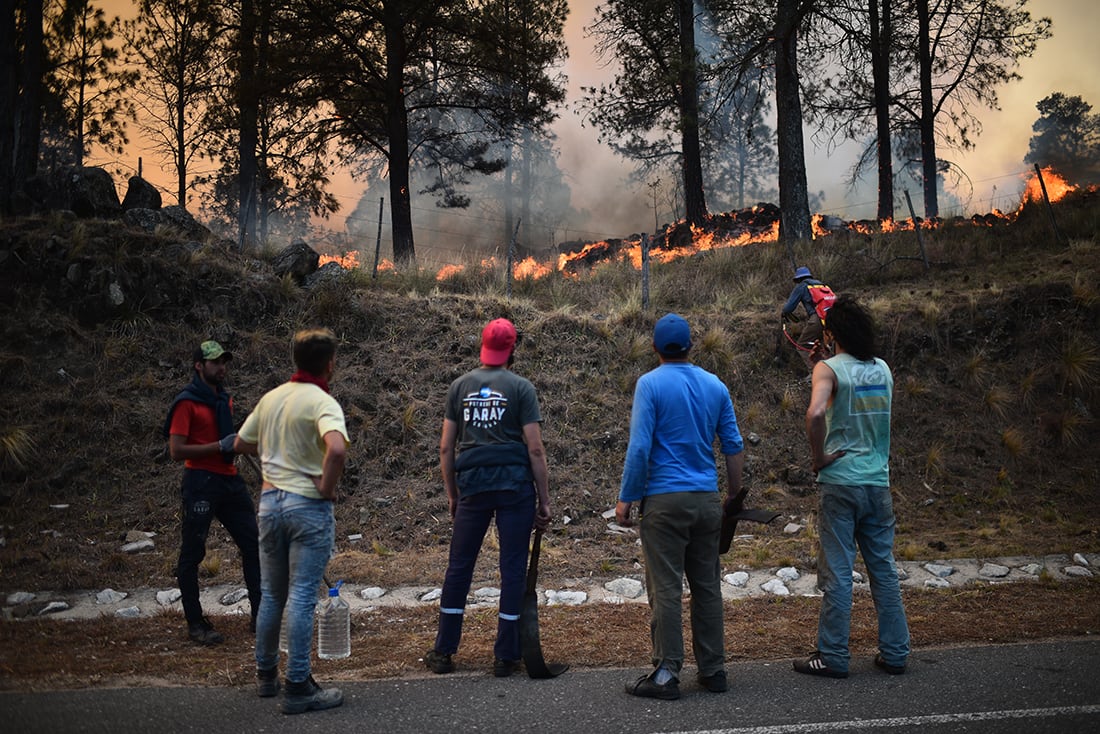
x=267, y=683
x=204, y=633
x=308, y=696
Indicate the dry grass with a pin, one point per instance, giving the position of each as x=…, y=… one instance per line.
x=994, y=417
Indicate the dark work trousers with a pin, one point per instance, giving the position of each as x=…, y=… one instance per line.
x=207, y=495
x=515, y=516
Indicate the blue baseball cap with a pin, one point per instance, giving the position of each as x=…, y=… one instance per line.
x=672, y=336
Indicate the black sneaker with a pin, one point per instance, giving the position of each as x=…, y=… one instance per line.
x=504, y=668
x=308, y=696
x=715, y=683
x=267, y=683
x=204, y=633
x=891, y=669
x=439, y=663
x=646, y=687
x=815, y=665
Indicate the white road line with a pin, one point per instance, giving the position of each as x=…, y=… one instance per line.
x=858, y=724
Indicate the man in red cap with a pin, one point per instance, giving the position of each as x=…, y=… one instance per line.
x=494, y=468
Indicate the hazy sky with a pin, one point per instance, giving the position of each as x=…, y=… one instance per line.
x=1069, y=62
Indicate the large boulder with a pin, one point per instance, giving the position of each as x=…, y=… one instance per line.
x=297, y=260
x=140, y=194
x=181, y=220
x=88, y=191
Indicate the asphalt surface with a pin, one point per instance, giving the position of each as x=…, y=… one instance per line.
x=1026, y=689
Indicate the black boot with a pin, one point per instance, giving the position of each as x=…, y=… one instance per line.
x=308, y=696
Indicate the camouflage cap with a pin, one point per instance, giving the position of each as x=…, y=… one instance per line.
x=208, y=351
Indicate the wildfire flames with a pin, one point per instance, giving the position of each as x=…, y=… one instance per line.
x=1056, y=186
x=734, y=229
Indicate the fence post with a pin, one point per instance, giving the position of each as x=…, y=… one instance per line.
x=511, y=257
x=378, y=239
x=1050, y=209
x=916, y=228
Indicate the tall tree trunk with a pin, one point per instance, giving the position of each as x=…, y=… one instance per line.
x=794, y=203
x=397, y=128
x=28, y=132
x=927, y=114
x=248, y=103
x=8, y=86
x=881, y=37
x=695, y=202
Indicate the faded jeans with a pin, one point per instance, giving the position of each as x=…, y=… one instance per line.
x=680, y=534
x=296, y=540
x=860, y=516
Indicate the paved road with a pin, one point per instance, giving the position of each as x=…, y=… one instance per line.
x=1027, y=689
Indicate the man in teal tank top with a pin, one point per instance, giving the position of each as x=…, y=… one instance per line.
x=848, y=426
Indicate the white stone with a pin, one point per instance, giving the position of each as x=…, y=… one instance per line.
x=487, y=592
x=857, y=577
x=617, y=529
x=939, y=569
x=569, y=598
x=230, y=598
x=355, y=537
x=432, y=595
x=20, y=597
x=994, y=570
x=630, y=588
x=128, y=612
x=139, y=546
x=1080, y=560
x=777, y=587
x=737, y=578
x=168, y=597
x=788, y=574
x=1032, y=569
x=1078, y=571
x=109, y=596
x=937, y=583
x=53, y=606
x=608, y=514
x=565, y=519
x=372, y=592
x=792, y=527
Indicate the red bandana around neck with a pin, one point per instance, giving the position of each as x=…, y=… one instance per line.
x=312, y=379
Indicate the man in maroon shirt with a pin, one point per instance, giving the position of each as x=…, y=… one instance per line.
x=200, y=433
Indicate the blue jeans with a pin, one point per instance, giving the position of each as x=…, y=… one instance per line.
x=680, y=533
x=296, y=540
x=515, y=516
x=863, y=516
x=207, y=495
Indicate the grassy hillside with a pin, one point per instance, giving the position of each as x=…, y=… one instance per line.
x=994, y=349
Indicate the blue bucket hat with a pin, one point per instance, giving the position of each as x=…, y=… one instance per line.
x=802, y=272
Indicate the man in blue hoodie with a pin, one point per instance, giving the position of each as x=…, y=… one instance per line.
x=679, y=409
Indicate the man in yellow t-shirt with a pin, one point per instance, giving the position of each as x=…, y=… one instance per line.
x=299, y=433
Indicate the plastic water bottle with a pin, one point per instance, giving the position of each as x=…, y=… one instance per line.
x=334, y=626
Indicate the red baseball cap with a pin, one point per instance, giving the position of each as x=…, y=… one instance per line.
x=498, y=338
